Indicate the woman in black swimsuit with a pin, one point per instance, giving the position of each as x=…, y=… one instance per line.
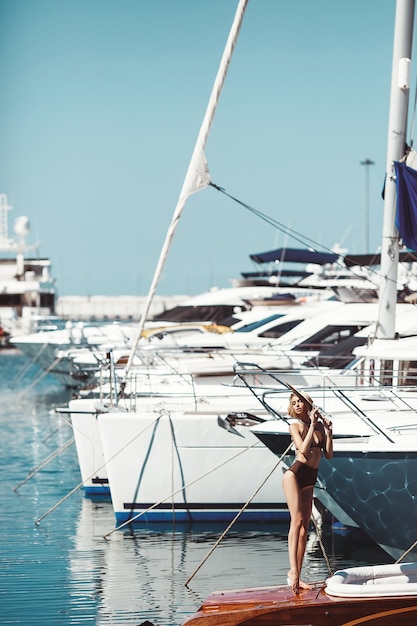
x=312, y=435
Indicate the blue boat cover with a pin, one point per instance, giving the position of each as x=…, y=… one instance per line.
x=351, y=260
x=406, y=215
x=295, y=255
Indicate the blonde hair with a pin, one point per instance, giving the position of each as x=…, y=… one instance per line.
x=291, y=412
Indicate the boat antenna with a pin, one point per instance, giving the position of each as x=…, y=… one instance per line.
x=197, y=176
x=413, y=119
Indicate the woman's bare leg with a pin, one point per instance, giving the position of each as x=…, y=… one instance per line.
x=306, y=497
x=293, y=497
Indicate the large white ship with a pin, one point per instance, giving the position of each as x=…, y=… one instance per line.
x=27, y=289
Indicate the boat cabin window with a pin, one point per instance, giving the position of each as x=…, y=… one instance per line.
x=176, y=333
x=10, y=299
x=280, y=329
x=27, y=299
x=329, y=336
x=403, y=373
x=339, y=355
x=407, y=373
x=387, y=372
x=259, y=323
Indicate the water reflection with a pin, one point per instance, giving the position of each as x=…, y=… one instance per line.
x=140, y=573
x=71, y=574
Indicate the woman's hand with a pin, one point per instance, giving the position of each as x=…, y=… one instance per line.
x=328, y=427
x=314, y=416
x=327, y=423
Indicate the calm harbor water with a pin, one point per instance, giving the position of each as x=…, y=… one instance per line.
x=62, y=570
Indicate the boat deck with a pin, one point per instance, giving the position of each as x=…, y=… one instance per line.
x=278, y=606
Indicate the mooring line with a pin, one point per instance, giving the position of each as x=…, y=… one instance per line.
x=238, y=515
x=406, y=552
x=171, y=495
x=70, y=493
x=45, y=462
x=26, y=366
x=40, y=377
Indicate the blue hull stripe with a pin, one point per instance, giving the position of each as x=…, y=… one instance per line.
x=204, y=513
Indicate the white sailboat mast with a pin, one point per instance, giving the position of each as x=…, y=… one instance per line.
x=397, y=128
x=197, y=176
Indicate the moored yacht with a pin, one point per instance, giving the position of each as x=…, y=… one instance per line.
x=27, y=289
x=370, y=481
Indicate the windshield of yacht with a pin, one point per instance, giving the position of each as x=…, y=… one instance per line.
x=254, y=325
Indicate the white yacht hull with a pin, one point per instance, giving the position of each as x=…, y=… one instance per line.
x=182, y=467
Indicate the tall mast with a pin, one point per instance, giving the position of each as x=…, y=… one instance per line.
x=397, y=128
x=197, y=176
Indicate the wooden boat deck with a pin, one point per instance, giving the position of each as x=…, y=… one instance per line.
x=278, y=606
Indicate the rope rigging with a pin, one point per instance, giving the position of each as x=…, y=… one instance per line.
x=299, y=237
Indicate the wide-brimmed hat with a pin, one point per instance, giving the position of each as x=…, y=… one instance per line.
x=303, y=396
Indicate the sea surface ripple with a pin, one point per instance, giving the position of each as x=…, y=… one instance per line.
x=56, y=566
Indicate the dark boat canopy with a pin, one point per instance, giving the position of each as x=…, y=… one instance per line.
x=295, y=255
x=212, y=313
x=375, y=259
x=296, y=273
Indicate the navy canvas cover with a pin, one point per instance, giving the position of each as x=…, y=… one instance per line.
x=294, y=255
x=406, y=215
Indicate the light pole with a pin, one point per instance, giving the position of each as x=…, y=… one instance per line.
x=367, y=163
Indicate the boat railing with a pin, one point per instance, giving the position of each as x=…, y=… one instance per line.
x=149, y=383
x=175, y=386
x=368, y=403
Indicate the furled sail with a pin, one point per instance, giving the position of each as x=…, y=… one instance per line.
x=406, y=210
x=197, y=176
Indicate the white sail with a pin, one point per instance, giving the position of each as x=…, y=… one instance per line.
x=197, y=176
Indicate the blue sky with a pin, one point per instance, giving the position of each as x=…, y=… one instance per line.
x=101, y=104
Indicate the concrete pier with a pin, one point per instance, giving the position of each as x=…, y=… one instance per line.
x=112, y=307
